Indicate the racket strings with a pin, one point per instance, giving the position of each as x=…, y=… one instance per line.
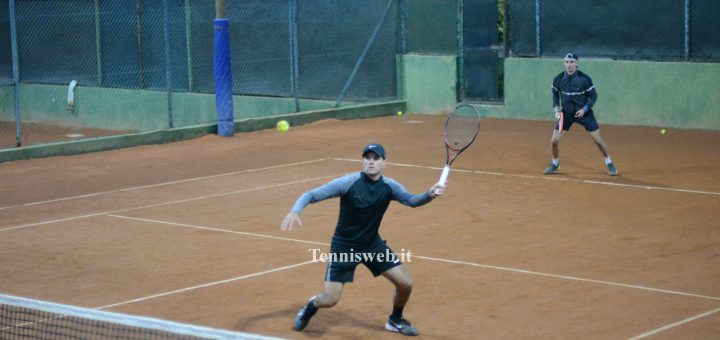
x=460, y=131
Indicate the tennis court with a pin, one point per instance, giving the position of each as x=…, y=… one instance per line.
x=189, y=232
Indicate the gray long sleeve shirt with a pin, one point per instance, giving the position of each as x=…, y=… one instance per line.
x=363, y=203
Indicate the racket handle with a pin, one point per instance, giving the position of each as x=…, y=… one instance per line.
x=560, y=123
x=444, y=175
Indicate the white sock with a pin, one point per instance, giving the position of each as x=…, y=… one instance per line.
x=608, y=160
x=556, y=161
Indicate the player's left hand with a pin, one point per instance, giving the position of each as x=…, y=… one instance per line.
x=289, y=221
x=580, y=113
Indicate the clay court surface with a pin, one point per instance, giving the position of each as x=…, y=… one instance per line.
x=189, y=232
x=39, y=133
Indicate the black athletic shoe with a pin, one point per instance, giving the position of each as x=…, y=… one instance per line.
x=402, y=326
x=303, y=317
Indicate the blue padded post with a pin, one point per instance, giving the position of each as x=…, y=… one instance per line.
x=223, y=79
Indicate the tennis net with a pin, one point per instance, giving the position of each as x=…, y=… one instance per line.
x=22, y=318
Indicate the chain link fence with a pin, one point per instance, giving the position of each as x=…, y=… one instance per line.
x=657, y=30
x=7, y=93
x=432, y=26
x=90, y=68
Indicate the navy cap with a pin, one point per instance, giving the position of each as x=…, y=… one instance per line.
x=376, y=148
x=571, y=56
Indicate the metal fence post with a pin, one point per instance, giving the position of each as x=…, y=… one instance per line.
x=687, y=29
x=98, y=44
x=16, y=73
x=168, y=71
x=538, y=28
x=293, y=37
x=188, y=45
x=403, y=26
x=460, y=87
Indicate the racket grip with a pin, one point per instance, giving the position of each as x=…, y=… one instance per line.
x=560, y=123
x=444, y=175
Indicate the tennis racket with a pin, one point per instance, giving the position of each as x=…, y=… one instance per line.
x=461, y=128
x=560, y=121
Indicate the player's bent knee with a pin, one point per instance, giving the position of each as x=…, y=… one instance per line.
x=405, y=284
x=329, y=303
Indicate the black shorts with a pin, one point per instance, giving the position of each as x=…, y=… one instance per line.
x=342, y=262
x=588, y=121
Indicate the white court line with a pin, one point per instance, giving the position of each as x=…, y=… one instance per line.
x=160, y=184
x=521, y=271
x=166, y=203
x=672, y=325
x=551, y=178
x=205, y=285
x=216, y=229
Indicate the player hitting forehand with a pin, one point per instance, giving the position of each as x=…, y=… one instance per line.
x=364, y=198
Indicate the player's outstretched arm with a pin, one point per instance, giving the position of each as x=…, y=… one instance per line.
x=289, y=221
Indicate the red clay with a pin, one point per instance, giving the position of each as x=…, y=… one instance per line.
x=506, y=253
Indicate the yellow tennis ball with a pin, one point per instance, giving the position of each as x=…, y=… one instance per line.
x=399, y=113
x=283, y=126
x=663, y=131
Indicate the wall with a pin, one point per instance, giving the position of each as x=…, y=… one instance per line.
x=428, y=82
x=358, y=111
x=124, y=109
x=670, y=94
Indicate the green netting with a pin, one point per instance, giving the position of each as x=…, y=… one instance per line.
x=119, y=56
x=432, y=26
x=633, y=30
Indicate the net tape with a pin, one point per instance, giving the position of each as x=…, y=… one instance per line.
x=22, y=318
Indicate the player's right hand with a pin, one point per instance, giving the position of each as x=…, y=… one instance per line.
x=437, y=190
x=558, y=112
x=289, y=221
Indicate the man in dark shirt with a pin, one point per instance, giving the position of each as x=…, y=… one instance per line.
x=364, y=198
x=573, y=98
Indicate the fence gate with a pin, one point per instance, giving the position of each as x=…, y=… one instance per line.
x=479, y=61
